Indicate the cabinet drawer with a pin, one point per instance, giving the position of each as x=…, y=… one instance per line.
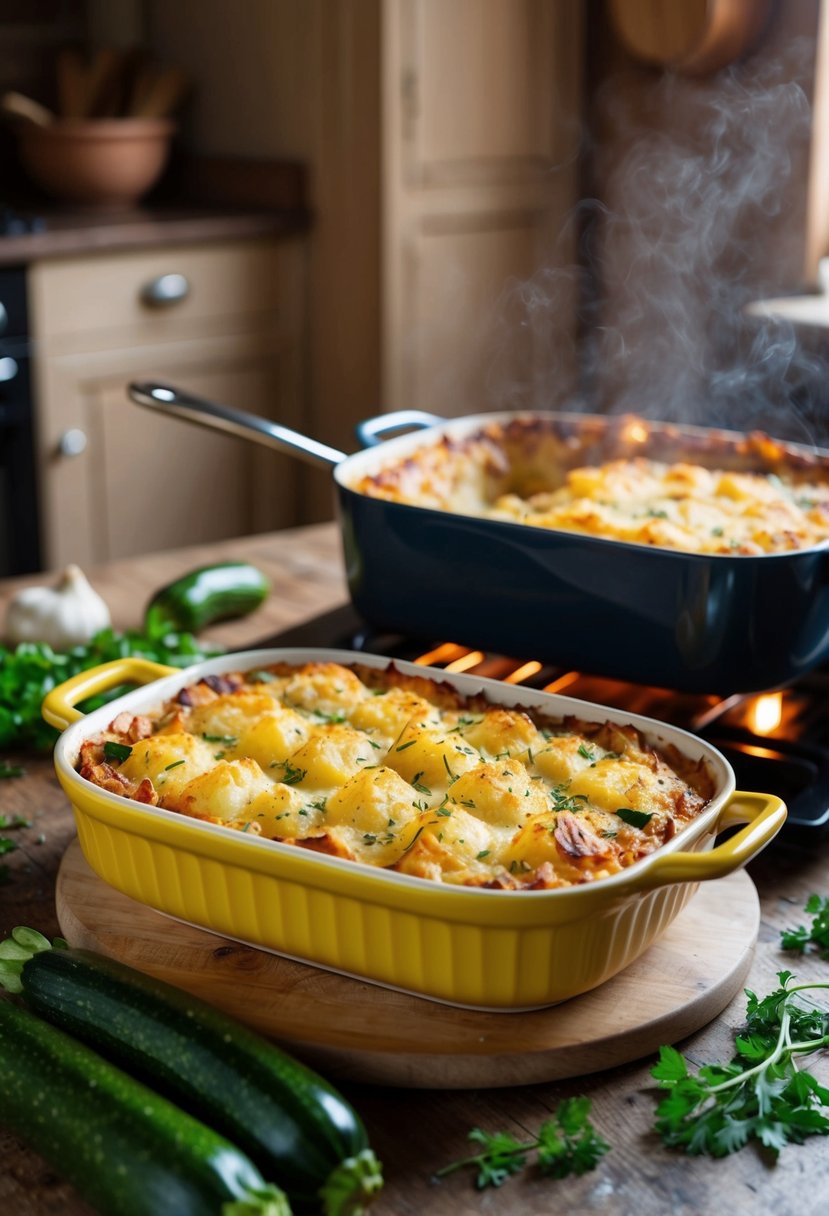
x=152, y=294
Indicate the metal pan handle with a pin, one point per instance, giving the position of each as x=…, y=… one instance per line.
x=371, y=431
x=169, y=400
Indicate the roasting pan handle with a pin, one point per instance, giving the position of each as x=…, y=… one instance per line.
x=370, y=432
x=764, y=816
x=170, y=400
x=58, y=706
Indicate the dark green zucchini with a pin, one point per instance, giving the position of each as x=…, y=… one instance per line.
x=209, y=594
x=128, y=1151
x=292, y=1124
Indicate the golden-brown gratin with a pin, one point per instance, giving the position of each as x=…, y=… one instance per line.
x=764, y=497
x=403, y=772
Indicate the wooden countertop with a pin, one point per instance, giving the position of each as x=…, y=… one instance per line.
x=203, y=198
x=415, y=1132
x=71, y=235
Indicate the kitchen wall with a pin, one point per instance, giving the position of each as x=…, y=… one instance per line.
x=696, y=201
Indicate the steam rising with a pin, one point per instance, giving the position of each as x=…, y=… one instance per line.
x=702, y=213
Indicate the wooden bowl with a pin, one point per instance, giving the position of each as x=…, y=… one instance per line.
x=107, y=162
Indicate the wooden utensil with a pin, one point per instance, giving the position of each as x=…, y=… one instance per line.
x=17, y=105
x=104, y=81
x=157, y=94
x=695, y=37
x=73, y=94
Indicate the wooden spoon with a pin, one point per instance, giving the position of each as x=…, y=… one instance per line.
x=16, y=105
x=157, y=95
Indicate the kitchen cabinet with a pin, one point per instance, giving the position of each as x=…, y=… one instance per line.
x=482, y=102
x=442, y=143
x=116, y=480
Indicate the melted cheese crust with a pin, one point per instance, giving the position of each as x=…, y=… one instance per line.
x=678, y=506
x=761, y=500
x=405, y=773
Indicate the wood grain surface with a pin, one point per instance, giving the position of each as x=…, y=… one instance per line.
x=363, y=1032
x=415, y=1131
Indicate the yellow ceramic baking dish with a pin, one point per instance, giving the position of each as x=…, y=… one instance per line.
x=489, y=949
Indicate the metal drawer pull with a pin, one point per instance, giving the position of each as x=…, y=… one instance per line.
x=72, y=442
x=8, y=369
x=165, y=290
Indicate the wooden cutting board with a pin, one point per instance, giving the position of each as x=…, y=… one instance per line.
x=359, y=1031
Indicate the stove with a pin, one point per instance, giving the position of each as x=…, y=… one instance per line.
x=777, y=742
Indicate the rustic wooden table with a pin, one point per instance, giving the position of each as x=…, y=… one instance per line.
x=415, y=1132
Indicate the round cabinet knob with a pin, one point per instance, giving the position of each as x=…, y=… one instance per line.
x=4, y=318
x=167, y=289
x=72, y=442
x=8, y=369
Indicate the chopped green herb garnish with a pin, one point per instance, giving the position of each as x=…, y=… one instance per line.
x=816, y=934
x=586, y=752
x=566, y=1144
x=175, y=764
x=229, y=740
x=403, y=746
x=562, y=801
x=636, y=819
x=10, y=824
x=413, y=839
x=292, y=774
x=117, y=751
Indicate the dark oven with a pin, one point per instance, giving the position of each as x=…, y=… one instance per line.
x=777, y=741
x=19, y=545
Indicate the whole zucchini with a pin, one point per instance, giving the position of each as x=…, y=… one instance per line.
x=127, y=1150
x=295, y=1126
x=209, y=594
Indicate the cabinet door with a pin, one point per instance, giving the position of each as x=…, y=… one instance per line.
x=483, y=99
x=144, y=482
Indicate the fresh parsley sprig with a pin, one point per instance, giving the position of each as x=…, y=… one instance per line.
x=31, y=669
x=816, y=934
x=567, y=1143
x=762, y=1094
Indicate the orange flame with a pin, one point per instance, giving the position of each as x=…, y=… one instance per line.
x=766, y=713
x=635, y=431
x=468, y=660
x=523, y=673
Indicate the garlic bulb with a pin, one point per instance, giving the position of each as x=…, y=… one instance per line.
x=63, y=616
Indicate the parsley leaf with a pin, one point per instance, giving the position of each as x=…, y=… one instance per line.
x=762, y=1094
x=566, y=1143
x=29, y=670
x=816, y=934
x=117, y=751
x=636, y=819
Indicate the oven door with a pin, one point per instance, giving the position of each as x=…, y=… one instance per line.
x=19, y=531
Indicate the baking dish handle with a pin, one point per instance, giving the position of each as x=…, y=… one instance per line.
x=58, y=706
x=371, y=431
x=763, y=815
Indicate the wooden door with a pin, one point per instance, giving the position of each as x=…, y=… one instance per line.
x=482, y=102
